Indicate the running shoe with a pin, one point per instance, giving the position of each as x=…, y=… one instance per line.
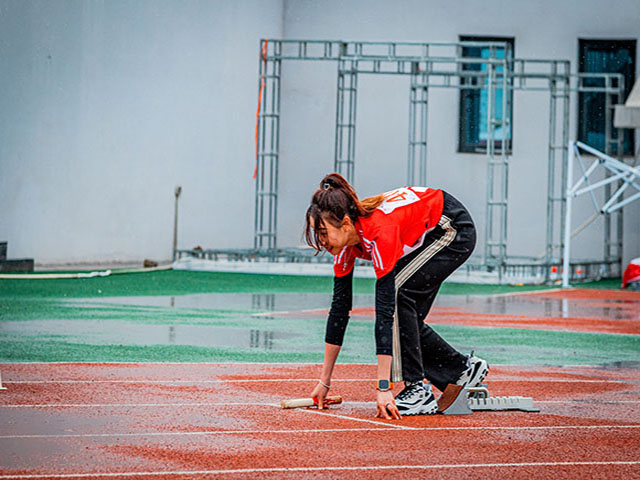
x=475, y=373
x=416, y=399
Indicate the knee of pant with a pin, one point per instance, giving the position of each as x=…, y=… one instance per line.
x=404, y=299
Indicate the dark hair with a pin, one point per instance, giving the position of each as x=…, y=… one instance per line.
x=334, y=200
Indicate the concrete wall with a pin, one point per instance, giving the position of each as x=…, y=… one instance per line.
x=542, y=29
x=108, y=105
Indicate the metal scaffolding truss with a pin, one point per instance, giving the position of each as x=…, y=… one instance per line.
x=617, y=172
x=432, y=66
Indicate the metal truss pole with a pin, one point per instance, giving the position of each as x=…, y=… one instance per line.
x=557, y=156
x=489, y=238
x=614, y=92
x=345, y=145
x=489, y=230
x=418, y=122
x=615, y=95
x=608, y=135
x=566, y=99
x=551, y=173
x=267, y=148
x=497, y=168
x=505, y=147
x=619, y=99
x=566, y=247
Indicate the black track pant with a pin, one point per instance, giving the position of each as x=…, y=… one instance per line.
x=419, y=275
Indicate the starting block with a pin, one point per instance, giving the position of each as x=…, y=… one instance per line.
x=458, y=400
x=1, y=387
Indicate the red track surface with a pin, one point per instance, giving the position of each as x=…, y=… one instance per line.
x=201, y=421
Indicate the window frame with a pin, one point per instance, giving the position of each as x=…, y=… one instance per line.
x=628, y=145
x=467, y=95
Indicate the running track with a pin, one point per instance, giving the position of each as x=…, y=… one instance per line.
x=174, y=421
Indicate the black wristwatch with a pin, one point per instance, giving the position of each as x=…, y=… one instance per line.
x=384, y=386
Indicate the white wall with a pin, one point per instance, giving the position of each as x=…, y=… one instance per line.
x=107, y=105
x=543, y=29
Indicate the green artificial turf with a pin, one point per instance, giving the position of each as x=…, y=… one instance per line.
x=80, y=320
x=498, y=346
x=180, y=282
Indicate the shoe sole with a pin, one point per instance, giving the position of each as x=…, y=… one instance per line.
x=428, y=409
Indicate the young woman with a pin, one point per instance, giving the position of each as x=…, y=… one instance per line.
x=415, y=237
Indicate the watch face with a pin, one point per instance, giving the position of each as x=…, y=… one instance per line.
x=383, y=384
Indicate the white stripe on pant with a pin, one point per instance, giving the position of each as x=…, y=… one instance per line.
x=416, y=264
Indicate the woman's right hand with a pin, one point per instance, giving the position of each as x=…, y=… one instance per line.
x=386, y=406
x=320, y=393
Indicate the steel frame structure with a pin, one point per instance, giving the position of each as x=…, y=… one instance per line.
x=430, y=66
x=618, y=172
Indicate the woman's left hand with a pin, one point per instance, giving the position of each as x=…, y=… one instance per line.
x=387, y=406
x=320, y=393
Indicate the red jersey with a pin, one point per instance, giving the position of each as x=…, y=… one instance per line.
x=393, y=230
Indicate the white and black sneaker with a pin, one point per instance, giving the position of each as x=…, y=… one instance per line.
x=416, y=399
x=475, y=373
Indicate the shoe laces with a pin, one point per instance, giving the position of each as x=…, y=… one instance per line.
x=469, y=363
x=410, y=391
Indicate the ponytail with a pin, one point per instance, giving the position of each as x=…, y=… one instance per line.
x=334, y=200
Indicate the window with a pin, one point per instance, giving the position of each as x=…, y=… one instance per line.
x=603, y=56
x=473, y=132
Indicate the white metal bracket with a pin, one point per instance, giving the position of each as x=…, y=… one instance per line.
x=630, y=176
x=457, y=400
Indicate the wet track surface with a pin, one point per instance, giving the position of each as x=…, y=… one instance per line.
x=575, y=352
x=175, y=421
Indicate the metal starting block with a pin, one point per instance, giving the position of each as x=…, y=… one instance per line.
x=457, y=400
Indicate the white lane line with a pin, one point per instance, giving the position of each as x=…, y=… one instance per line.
x=264, y=380
x=143, y=405
x=272, y=364
x=528, y=292
x=345, y=417
x=325, y=469
x=142, y=364
x=288, y=312
x=189, y=434
x=177, y=382
x=172, y=382
x=581, y=402
x=381, y=427
x=260, y=404
x=591, y=402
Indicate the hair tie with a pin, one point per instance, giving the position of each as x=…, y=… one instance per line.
x=326, y=185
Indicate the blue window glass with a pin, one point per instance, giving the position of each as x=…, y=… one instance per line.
x=603, y=56
x=473, y=131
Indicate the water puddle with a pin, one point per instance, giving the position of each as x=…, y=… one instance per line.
x=541, y=306
x=230, y=320
x=247, y=302
x=99, y=332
